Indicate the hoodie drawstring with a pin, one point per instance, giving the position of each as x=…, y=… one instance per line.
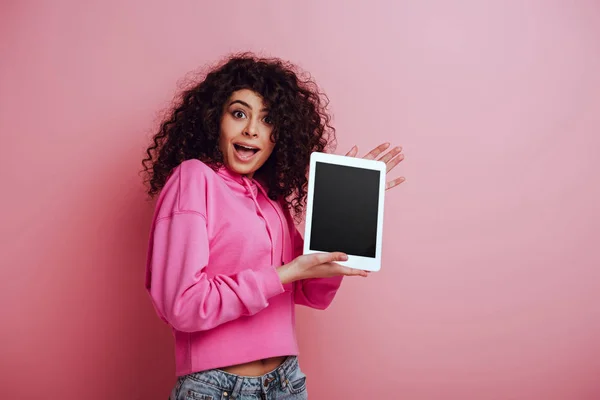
x=269, y=231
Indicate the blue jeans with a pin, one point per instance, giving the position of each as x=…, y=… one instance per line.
x=285, y=382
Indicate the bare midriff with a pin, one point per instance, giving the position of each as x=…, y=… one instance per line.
x=255, y=368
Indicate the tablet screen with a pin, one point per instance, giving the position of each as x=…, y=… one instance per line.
x=345, y=209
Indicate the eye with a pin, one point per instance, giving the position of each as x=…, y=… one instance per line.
x=238, y=114
x=268, y=120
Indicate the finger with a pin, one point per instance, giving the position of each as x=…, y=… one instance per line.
x=353, y=151
x=347, y=271
x=357, y=272
x=324, y=258
x=377, y=151
x=393, y=153
x=394, y=162
x=394, y=183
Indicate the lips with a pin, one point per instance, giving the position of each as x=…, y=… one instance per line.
x=245, y=152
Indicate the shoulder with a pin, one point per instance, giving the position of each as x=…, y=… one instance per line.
x=194, y=167
x=187, y=187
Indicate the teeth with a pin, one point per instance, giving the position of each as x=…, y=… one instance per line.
x=246, y=147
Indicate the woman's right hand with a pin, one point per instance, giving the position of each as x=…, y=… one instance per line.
x=318, y=265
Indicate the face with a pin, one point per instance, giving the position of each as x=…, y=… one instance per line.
x=245, y=138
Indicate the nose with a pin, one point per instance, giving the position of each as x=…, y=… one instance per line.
x=251, y=129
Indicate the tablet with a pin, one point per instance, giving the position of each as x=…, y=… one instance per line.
x=344, y=209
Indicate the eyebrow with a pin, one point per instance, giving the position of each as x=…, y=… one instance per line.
x=246, y=104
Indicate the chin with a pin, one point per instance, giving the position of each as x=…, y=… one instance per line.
x=242, y=169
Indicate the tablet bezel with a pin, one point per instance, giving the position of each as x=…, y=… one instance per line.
x=356, y=262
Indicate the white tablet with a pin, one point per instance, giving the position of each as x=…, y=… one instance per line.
x=345, y=209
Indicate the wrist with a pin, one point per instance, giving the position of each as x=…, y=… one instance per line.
x=286, y=273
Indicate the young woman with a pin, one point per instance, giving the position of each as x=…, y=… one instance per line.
x=224, y=269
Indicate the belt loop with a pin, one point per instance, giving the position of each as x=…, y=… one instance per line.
x=237, y=387
x=282, y=378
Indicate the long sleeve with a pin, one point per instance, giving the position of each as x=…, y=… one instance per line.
x=182, y=293
x=315, y=292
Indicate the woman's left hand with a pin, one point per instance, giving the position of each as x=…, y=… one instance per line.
x=391, y=159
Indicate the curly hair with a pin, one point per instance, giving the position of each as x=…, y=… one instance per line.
x=297, y=108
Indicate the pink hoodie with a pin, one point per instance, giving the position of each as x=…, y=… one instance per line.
x=211, y=270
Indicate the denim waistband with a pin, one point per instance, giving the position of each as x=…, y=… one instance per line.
x=236, y=385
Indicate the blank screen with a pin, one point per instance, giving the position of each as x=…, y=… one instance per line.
x=345, y=209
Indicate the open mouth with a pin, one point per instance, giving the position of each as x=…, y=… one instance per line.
x=245, y=152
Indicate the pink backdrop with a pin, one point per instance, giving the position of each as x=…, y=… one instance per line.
x=490, y=287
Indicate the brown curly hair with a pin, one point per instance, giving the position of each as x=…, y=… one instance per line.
x=298, y=110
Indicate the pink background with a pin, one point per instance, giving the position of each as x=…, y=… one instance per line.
x=490, y=287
